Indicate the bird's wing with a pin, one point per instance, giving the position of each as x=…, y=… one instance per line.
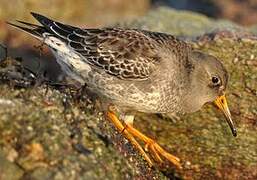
x=176, y=46
x=126, y=54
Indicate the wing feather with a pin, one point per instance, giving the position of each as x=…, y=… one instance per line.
x=124, y=53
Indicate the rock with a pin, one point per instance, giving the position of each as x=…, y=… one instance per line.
x=41, y=173
x=180, y=23
x=242, y=12
x=9, y=170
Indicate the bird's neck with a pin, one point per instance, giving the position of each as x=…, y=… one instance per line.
x=192, y=99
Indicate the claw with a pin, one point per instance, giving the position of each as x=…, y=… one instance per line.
x=157, y=152
x=113, y=118
x=154, y=148
x=146, y=147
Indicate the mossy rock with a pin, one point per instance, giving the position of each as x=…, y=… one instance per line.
x=54, y=135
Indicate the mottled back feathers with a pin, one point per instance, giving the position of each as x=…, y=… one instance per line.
x=124, y=53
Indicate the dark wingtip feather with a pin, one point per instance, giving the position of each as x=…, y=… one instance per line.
x=19, y=27
x=42, y=19
x=28, y=24
x=36, y=15
x=31, y=29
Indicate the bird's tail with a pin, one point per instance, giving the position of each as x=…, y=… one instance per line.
x=33, y=29
x=47, y=26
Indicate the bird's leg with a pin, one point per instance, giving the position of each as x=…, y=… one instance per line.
x=113, y=118
x=130, y=132
x=155, y=148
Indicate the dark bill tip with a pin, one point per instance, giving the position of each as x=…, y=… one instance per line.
x=234, y=132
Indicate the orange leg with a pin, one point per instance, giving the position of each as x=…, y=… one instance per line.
x=130, y=132
x=122, y=129
x=155, y=148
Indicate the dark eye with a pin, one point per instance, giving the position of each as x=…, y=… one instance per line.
x=215, y=80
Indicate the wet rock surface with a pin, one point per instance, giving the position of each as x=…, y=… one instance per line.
x=242, y=12
x=55, y=132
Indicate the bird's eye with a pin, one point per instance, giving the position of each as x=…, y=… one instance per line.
x=215, y=80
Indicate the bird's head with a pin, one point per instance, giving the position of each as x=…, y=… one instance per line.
x=208, y=82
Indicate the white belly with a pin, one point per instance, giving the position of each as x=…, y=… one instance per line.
x=71, y=63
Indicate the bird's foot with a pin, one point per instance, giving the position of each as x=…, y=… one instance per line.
x=153, y=147
x=113, y=118
x=150, y=145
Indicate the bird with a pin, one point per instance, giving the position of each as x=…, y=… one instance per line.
x=134, y=70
